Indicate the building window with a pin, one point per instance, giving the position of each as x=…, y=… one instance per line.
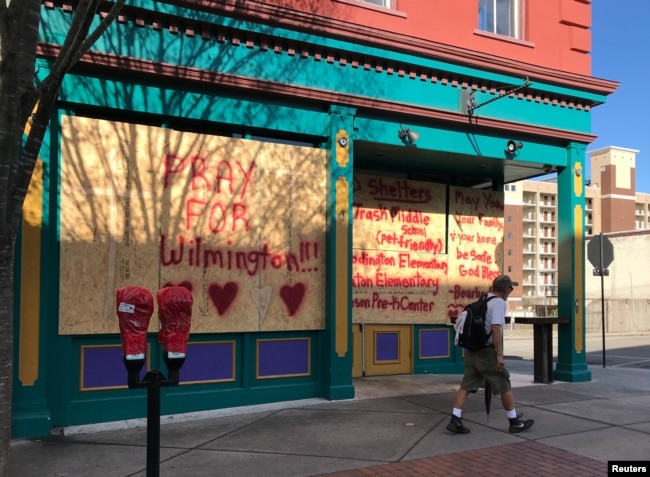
x=509, y=268
x=509, y=236
x=509, y=252
x=510, y=219
x=502, y=17
x=381, y=3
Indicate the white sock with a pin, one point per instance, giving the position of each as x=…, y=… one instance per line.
x=512, y=414
x=457, y=412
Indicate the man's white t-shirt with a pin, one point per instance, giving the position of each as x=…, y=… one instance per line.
x=495, y=314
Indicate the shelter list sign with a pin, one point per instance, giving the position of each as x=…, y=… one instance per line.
x=399, y=261
x=422, y=251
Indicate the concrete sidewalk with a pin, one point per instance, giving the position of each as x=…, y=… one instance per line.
x=394, y=427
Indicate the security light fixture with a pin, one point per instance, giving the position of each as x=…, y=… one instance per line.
x=407, y=136
x=513, y=146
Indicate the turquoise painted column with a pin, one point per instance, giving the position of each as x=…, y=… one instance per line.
x=572, y=357
x=337, y=345
x=31, y=414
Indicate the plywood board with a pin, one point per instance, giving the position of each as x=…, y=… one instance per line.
x=399, y=264
x=475, y=244
x=241, y=223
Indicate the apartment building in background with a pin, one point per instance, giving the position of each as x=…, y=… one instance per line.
x=530, y=233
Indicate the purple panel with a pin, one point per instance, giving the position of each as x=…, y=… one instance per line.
x=102, y=367
x=209, y=362
x=278, y=358
x=434, y=343
x=387, y=346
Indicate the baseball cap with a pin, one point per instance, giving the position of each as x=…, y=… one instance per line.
x=503, y=281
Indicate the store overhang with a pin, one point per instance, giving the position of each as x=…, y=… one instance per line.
x=444, y=167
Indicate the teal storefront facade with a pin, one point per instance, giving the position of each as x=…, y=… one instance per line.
x=267, y=87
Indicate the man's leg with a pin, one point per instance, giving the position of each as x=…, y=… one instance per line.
x=516, y=424
x=508, y=401
x=472, y=379
x=456, y=424
x=460, y=399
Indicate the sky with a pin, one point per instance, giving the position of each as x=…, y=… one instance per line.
x=619, y=50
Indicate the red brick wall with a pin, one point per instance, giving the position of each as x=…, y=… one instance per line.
x=556, y=32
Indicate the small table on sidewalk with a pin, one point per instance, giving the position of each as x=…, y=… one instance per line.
x=542, y=344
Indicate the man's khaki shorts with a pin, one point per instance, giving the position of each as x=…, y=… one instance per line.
x=480, y=366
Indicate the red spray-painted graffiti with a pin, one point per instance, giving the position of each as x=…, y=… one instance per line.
x=487, y=200
x=292, y=295
x=216, y=203
x=399, y=261
x=193, y=253
x=223, y=296
x=175, y=164
x=464, y=295
x=226, y=179
x=476, y=231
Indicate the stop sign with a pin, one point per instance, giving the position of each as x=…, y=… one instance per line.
x=594, y=252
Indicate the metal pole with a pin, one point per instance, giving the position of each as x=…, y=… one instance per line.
x=602, y=296
x=363, y=349
x=154, y=378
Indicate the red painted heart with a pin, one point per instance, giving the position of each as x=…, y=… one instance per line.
x=453, y=316
x=292, y=296
x=223, y=297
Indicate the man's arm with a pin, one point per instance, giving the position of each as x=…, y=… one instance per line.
x=498, y=346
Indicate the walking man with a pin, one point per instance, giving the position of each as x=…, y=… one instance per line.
x=487, y=364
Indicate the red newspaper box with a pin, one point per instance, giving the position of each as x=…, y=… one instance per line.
x=134, y=310
x=175, y=313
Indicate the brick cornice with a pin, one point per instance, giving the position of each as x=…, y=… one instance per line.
x=116, y=65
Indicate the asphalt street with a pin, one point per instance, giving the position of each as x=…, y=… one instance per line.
x=621, y=351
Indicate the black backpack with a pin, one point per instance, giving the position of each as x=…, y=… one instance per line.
x=473, y=335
